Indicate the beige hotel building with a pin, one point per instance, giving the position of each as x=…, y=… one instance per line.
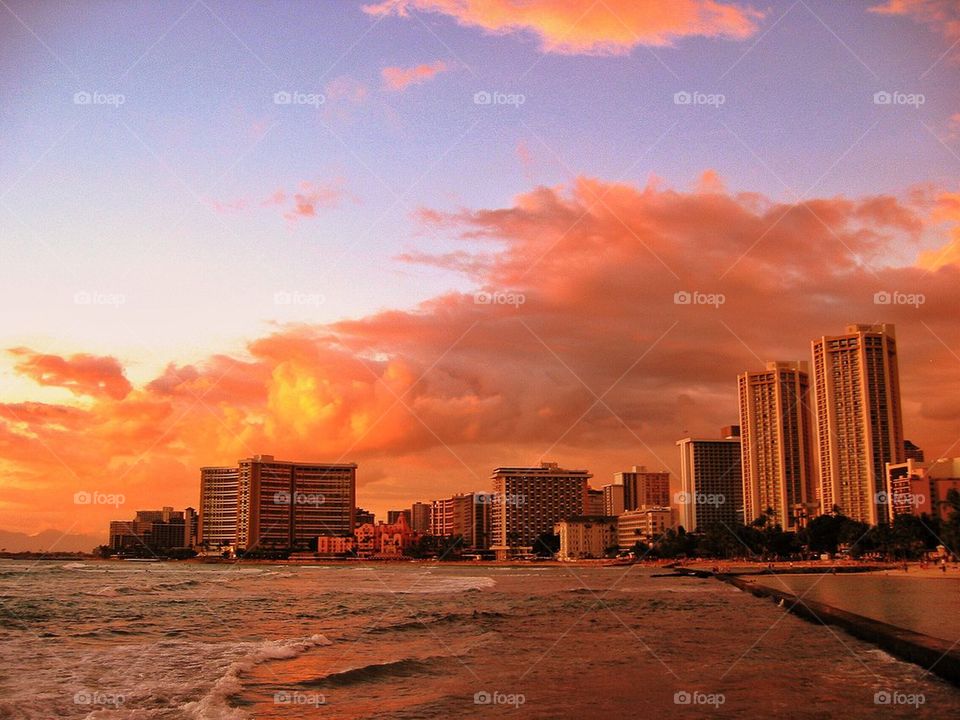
x=775, y=444
x=859, y=424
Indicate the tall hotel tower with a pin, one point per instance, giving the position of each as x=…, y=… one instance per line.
x=775, y=444
x=275, y=504
x=217, y=526
x=711, y=483
x=859, y=425
x=528, y=501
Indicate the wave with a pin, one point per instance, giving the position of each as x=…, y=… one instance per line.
x=215, y=704
x=405, y=667
x=425, y=622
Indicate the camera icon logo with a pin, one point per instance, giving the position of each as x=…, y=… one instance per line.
x=482, y=697
x=682, y=98
x=882, y=97
x=882, y=297
x=482, y=97
x=682, y=697
x=82, y=98
x=282, y=98
x=682, y=297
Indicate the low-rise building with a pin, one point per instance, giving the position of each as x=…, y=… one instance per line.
x=644, y=525
x=586, y=536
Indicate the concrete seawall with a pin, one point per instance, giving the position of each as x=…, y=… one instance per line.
x=937, y=656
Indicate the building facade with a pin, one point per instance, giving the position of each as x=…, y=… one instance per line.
x=528, y=501
x=420, y=517
x=775, y=444
x=585, y=537
x=644, y=526
x=218, y=507
x=155, y=530
x=613, y=499
x=858, y=418
x=643, y=488
x=711, y=484
x=921, y=488
x=287, y=505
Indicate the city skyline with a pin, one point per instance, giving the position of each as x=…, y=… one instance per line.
x=433, y=243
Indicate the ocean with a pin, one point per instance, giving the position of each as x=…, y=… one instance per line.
x=184, y=640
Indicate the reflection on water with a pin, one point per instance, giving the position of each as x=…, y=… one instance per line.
x=115, y=640
x=928, y=605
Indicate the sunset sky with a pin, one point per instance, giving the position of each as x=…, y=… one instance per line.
x=238, y=228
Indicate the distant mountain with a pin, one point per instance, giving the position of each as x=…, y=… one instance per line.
x=48, y=541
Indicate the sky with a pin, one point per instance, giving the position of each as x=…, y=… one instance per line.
x=437, y=236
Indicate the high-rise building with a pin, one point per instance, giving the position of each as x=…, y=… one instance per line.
x=466, y=515
x=612, y=499
x=441, y=517
x=775, y=439
x=643, y=488
x=363, y=517
x=594, y=502
x=921, y=488
x=420, y=517
x=286, y=505
x=912, y=452
x=711, y=484
x=859, y=425
x=217, y=524
x=154, y=530
x=527, y=501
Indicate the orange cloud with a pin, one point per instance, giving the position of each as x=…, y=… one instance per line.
x=398, y=78
x=571, y=296
x=613, y=27
x=81, y=374
x=946, y=210
x=942, y=15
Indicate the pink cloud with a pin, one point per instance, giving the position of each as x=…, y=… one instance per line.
x=398, y=78
x=942, y=15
